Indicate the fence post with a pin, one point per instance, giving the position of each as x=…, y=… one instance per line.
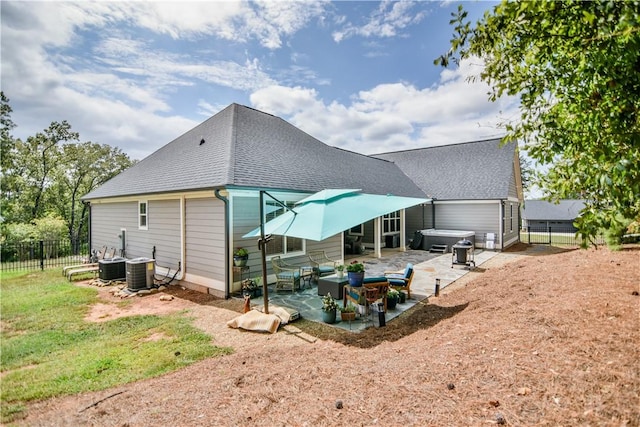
x=549, y=235
x=41, y=254
x=529, y=233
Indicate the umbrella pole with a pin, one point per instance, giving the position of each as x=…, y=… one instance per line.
x=262, y=244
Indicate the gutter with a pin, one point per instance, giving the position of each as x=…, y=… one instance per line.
x=227, y=259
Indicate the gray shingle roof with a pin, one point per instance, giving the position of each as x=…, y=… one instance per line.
x=565, y=210
x=248, y=148
x=469, y=171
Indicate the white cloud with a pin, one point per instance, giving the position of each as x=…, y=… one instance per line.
x=395, y=116
x=388, y=20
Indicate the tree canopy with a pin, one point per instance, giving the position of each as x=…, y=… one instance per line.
x=45, y=176
x=575, y=67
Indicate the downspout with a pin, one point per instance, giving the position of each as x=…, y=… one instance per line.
x=433, y=213
x=182, y=268
x=227, y=259
x=88, y=224
x=501, y=225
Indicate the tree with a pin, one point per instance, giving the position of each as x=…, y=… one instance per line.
x=47, y=174
x=576, y=69
x=83, y=167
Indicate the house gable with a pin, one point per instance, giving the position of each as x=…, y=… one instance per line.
x=477, y=170
x=244, y=147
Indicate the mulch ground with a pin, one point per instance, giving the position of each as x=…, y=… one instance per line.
x=548, y=338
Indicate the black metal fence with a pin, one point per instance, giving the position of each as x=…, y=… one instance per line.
x=41, y=254
x=556, y=236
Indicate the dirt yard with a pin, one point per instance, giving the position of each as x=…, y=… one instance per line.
x=531, y=338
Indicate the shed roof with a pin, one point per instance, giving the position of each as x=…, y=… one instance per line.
x=468, y=171
x=542, y=210
x=244, y=147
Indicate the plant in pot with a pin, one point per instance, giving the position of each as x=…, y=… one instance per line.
x=355, y=271
x=403, y=297
x=348, y=313
x=240, y=257
x=392, y=298
x=251, y=287
x=329, y=308
x=340, y=270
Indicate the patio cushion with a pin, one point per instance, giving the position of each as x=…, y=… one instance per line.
x=326, y=269
x=289, y=274
x=374, y=279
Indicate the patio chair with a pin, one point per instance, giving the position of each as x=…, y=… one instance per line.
x=321, y=264
x=354, y=246
x=287, y=275
x=93, y=261
x=401, y=281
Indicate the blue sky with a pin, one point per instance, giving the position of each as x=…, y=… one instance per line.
x=136, y=75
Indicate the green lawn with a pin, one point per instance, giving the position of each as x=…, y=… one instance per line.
x=48, y=350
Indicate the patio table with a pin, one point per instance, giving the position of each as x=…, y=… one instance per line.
x=333, y=284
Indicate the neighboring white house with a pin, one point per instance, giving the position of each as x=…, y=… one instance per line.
x=188, y=204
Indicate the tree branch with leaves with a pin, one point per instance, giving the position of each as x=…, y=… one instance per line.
x=575, y=67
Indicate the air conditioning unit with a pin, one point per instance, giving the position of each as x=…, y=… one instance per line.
x=140, y=272
x=112, y=269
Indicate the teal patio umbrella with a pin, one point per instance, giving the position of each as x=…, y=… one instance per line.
x=329, y=212
x=325, y=214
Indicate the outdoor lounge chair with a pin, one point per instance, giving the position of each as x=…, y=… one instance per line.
x=287, y=275
x=93, y=261
x=321, y=264
x=89, y=268
x=401, y=281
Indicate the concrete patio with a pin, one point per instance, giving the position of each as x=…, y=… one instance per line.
x=428, y=267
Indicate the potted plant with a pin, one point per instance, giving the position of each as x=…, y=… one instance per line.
x=348, y=313
x=355, y=271
x=240, y=257
x=403, y=297
x=392, y=298
x=340, y=270
x=251, y=287
x=329, y=309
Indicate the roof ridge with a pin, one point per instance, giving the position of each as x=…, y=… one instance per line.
x=437, y=146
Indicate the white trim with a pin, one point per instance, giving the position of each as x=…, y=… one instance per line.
x=466, y=202
x=403, y=243
x=149, y=197
x=145, y=215
x=218, y=285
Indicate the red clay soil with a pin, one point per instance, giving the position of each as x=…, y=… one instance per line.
x=545, y=338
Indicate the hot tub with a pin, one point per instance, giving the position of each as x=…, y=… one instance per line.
x=434, y=236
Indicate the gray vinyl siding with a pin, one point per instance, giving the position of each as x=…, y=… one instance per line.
x=163, y=231
x=478, y=217
x=108, y=219
x=418, y=218
x=204, y=235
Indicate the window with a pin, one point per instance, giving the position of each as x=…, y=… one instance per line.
x=281, y=245
x=391, y=223
x=356, y=231
x=142, y=216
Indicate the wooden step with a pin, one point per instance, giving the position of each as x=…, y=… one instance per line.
x=443, y=249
